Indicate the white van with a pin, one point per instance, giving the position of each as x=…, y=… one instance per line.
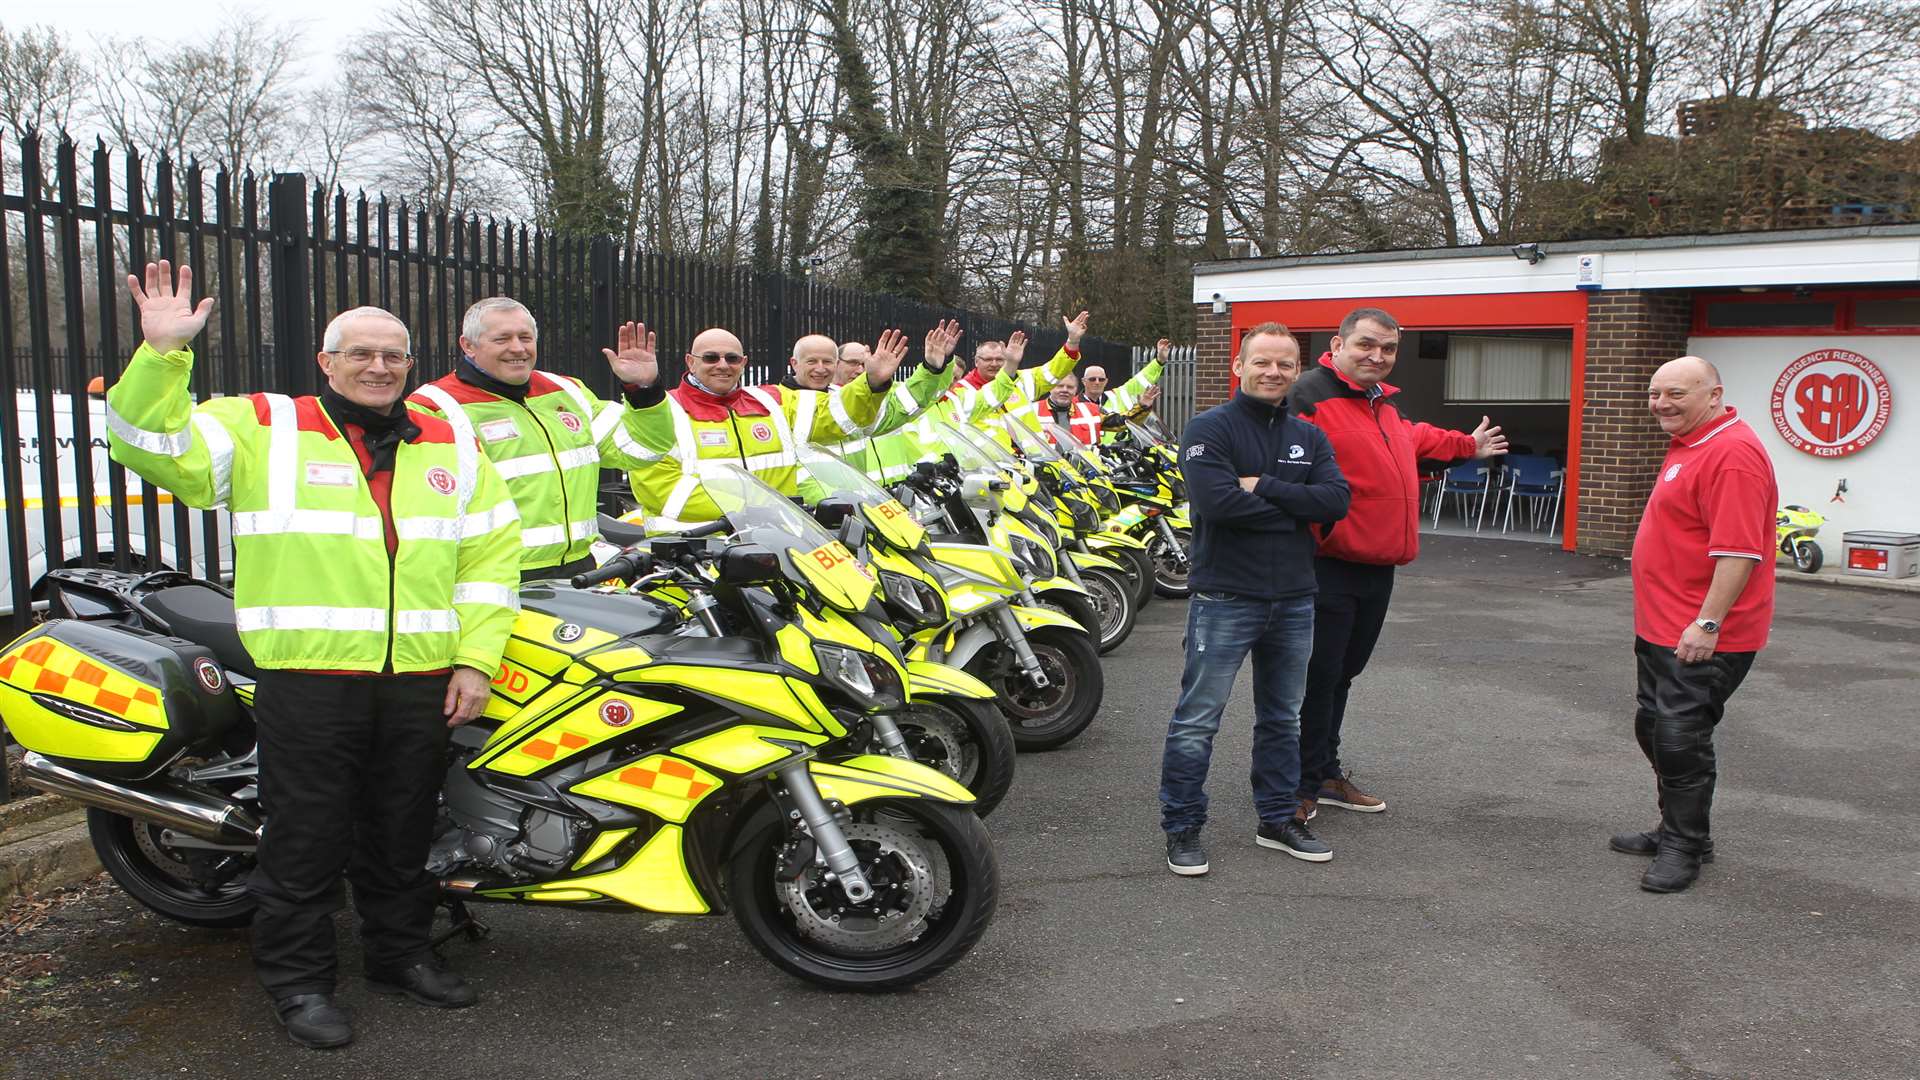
x=31, y=501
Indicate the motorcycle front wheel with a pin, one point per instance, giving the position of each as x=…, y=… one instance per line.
x=936, y=882
x=1170, y=569
x=188, y=885
x=1113, y=604
x=1807, y=556
x=966, y=739
x=1045, y=717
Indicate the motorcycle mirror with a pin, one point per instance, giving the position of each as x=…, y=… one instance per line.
x=834, y=509
x=748, y=564
x=853, y=532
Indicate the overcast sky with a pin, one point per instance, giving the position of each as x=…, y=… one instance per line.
x=325, y=24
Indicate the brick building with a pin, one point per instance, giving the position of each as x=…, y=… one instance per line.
x=1816, y=333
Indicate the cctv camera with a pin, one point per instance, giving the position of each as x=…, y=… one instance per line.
x=1533, y=253
x=1219, y=304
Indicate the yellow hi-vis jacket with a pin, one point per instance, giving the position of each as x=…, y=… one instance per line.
x=549, y=449
x=758, y=427
x=976, y=401
x=314, y=587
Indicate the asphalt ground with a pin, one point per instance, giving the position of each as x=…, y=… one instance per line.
x=1478, y=928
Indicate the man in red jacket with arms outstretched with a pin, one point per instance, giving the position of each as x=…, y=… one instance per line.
x=1348, y=397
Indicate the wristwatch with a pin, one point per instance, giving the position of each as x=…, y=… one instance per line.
x=1711, y=626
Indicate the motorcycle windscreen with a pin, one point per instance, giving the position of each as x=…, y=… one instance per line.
x=882, y=511
x=758, y=514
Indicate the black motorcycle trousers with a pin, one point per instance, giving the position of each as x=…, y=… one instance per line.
x=350, y=774
x=1679, y=706
x=1348, y=613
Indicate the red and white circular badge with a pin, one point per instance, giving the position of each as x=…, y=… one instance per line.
x=1831, y=403
x=441, y=480
x=569, y=421
x=762, y=432
x=616, y=713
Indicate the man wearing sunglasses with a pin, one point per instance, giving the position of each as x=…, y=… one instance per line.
x=711, y=417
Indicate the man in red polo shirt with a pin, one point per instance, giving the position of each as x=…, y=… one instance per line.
x=1702, y=605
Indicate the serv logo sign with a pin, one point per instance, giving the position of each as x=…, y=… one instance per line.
x=1831, y=403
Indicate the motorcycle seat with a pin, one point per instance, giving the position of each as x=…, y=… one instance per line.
x=203, y=616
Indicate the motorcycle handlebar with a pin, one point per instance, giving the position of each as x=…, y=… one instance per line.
x=630, y=561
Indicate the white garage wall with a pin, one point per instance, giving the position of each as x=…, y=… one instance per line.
x=1883, y=480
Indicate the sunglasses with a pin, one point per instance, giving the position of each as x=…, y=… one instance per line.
x=720, y=357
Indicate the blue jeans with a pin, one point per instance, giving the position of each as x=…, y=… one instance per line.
x=1221, y=629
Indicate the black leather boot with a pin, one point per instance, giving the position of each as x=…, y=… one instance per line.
x=314, y=1021
x=427, y=983
x=1648, y=843
x=1674, y=868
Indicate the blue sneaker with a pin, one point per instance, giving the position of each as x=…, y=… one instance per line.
x=1185, y=855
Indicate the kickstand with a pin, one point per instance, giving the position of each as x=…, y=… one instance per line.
x=464, y=922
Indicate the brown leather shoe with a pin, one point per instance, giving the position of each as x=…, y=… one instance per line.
x=1343, y=793
x=1306, y=811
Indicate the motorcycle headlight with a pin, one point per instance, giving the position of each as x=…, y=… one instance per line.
x=916, y=600
x=1038, y=559
x=871, y=680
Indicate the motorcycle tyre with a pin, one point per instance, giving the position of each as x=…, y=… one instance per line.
x=134, y=871
x=992, y=739
x=1077, y=651
x=1074, y=606
x=969, y=852
x=1129, y=613
x=1165, y=584
x=1139, y=573
x=1807, y=556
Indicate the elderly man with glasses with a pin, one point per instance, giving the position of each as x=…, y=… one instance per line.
x=375, y=554
x=712, y=417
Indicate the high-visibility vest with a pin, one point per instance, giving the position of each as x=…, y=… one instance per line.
x=1083, y=419
x=907, y=400
x=549, y=450
x=314, y=587
x=754, y=427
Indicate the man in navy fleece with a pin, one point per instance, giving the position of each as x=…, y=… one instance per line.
x=1256, y=477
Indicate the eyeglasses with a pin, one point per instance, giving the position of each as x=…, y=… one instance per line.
x=720, y=357
x=360, y=357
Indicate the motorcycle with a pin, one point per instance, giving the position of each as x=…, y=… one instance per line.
x=949, y=720
x=1147, y=475
x=1794, y=528
x=630, y=757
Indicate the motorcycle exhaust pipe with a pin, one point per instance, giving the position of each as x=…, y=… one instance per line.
x=199, y=814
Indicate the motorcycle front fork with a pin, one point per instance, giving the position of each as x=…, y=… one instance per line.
x=1008, y=626
x=888, y=734
x=831, y=848
x=1165, y=529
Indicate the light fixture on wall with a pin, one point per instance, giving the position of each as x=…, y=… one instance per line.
x=1533, y=253
x=1219, y=304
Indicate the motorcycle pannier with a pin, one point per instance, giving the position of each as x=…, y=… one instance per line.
x=117, y=701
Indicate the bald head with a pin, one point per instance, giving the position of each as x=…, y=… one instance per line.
x=1684, y=394
x=717, y=359
x=1096, y=380
x=812, y=361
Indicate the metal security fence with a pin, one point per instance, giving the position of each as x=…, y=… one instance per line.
x=1177, y=386
x=281, y=259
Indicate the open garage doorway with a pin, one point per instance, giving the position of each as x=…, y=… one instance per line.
x=1523, y=381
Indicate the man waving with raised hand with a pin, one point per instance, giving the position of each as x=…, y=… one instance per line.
x=375, y=554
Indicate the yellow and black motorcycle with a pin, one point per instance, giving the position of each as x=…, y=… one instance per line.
x=630, y=759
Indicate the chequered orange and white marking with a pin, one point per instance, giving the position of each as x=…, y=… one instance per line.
x=45, y=666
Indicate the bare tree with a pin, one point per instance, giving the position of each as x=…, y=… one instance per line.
x=227, y=99
x=430, y=135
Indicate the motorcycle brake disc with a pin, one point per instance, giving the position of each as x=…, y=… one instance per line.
x=861, y=928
